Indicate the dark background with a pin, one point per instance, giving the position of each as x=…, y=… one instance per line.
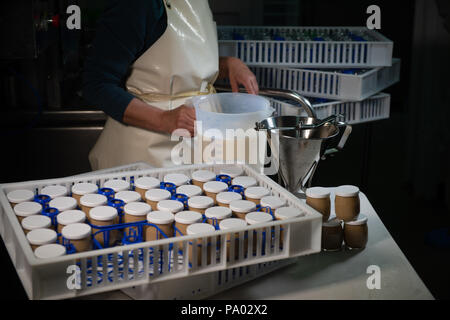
x=401, y=163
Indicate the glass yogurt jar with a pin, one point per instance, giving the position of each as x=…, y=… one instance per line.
x=318, y=198
x=18, y=196
x=200, y=177
x=142, y=184
x=212, y=188
x=255, y=194
x=81, y=189
x=346, y=202
x=200, y=203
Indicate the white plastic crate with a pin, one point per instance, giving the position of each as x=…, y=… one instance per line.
x=141, y=263
x=196, y=287
x=374, y=108
x=329, y=84
x=376, y=52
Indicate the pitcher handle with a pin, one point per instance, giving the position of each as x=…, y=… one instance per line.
x=347, y=131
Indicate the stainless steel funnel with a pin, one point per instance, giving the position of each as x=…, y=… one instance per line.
x=297, y=151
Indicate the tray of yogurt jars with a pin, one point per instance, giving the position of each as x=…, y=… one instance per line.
x=84, y=235
x=376, y=107
x=322, y=47
x=336, y=84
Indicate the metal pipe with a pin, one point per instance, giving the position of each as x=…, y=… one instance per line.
x=287, y=94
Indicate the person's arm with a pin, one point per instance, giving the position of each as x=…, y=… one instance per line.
x=238, y=73
x=125, y=31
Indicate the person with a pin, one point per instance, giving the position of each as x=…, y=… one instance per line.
x=148, y=57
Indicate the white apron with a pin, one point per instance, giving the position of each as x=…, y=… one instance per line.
x=182, y=63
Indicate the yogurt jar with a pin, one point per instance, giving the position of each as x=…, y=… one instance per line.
x=230, y=225
x=245, y=181
x=254, y=218
x=142, y=184
x=190, y=190
x=117, y=185
x=332, y=235
x=36, y=222
x=255, y=194
x=90, y=201
x=200, y=203
x=128, y=196
x=286, y=213
x=79, y=235
x=346, y=202
x=54, y=191
x=18, y=196
x=200, y=229
x=69, y=217
x=356, y=233
x=178, y=179
x=272, y=203
x=232, y=171
x=63, y=203
x=240, y=208
x=153, y=196
x=318, y=198
x=200, y=177
x=185, y=218
x=50, y=251
x=81, y=189
x=26, y=209
x=212, y=188
x=215, y=215
x=224, y=199
x=164, y=221
x=173, y=206
x=104, y=216
x=135, y=212
x=40, y=237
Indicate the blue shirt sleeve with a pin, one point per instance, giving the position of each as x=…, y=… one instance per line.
x=124, y=32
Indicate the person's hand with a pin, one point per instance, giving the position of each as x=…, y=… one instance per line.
x=182, y=117
x=240, y=74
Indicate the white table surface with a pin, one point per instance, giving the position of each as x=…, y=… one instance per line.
x=335, y=275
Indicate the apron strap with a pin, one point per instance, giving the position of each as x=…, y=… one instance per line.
x=156, y=97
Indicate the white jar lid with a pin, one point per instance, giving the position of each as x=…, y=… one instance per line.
x=242, y=206
x=18, y=196
x=146, y=183
x=347, y=191
x=245, y=181
x=199, y=228
x=71, y=216
x=76, y=231
x=54, y=191
x=200, y=202
x=84, y=188
x=93, y=200
x=317, y=193
x=137, y=209
x=27, y=208
x=360, y=220
x=332, y=223
x=177, y=179
x=173, y=206
x=117, y=185
x=36, y=222
x=157, y=194
x=203, y=175
x=103, y=213
x=215, y=186
x=272, y=202
x=49, y=251
x=257, y=217
x=256, y=192
x=232, y=223
x=189, y=190
x=63, y=203
x=188, y=217
x=218, y=213
x=232, y=171
x=160, y=217
x=288, y=213
x=128, y=196
x=39, y=237
x=228, y=196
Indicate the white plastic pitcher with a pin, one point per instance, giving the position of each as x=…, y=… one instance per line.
x=231, y=110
